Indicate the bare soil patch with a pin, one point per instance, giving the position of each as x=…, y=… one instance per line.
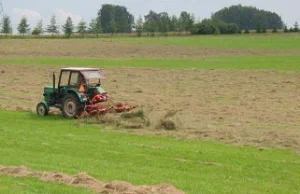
x=88, y=182
x=241, y=107
x=112, y=49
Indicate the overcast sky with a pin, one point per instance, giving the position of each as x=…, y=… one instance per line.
x=289, y=10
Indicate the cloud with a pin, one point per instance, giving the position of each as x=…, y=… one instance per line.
x=32, y=16
x=61, y=16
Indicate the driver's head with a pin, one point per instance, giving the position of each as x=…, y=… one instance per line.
x=81, y=79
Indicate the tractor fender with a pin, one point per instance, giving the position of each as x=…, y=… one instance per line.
x=75, y=93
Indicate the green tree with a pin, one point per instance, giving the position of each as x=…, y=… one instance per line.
x=6, y=26
x=35, y=31
x=285, y=29
x=38, y=29
x=165, y=23
x=247, y=31
x=95, y=26
x=296, y=27
x=246, y=17
x=113, y=27
x=23, y=26
x=139, y=26
x=151, y=24
x=186, y=21
x=81, y=28
x=52, y=27
x=68, y=28
x=232, y=29
x=174, y=24
x=123, y=19
x=208, y=26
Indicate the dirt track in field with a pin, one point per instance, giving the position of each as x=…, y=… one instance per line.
x=241, y=107
x=85, y=181
x=110, y=49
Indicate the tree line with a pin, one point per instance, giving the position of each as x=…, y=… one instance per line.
x=53, y=28
x=117, y=19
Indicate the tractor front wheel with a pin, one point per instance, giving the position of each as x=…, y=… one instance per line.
x=41, y=109
x=70, y=106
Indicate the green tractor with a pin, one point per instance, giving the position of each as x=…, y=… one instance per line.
x=75, y=90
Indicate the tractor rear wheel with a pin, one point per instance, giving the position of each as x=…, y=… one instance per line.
x=70, y=106
x=41, y=109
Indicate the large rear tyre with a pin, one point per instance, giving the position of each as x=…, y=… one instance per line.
x=41, y=109
x=70, y=106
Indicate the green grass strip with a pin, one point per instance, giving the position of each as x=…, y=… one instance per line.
x=55, y=144
x=218, y=62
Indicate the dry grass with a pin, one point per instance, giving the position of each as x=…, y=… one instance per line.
x=85, y=181
x=166, y=124
x=240, y=107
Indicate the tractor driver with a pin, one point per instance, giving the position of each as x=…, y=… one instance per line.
x=82, y=84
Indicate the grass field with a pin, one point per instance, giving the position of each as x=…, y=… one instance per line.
x=267, y=41
x=241, y=90
x=31, y=185
x=218, y=62
x=251, y=41
x=54, y=144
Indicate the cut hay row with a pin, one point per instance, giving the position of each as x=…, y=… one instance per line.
x=88, y=182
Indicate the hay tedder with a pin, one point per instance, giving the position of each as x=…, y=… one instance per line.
x=78, y=94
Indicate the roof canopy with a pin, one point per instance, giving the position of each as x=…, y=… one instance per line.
x=92, y=75
x=79, y=69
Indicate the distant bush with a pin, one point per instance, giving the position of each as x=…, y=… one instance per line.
x=208, y=26
x=36, y=31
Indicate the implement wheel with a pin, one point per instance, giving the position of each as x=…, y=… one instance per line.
x=41, y=109
x=70, y=106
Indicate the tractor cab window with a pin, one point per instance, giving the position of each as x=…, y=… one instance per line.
x=74, y=79
x=93, y=77
x=64, y=80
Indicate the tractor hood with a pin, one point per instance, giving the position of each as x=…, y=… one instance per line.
x=100, y=90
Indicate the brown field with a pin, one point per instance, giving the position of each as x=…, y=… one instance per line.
x=240, y=107
x=115, y=49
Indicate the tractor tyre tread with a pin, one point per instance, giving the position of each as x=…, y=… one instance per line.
x=77, y=104
x=45, y=108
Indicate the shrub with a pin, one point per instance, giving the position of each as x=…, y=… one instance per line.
x=36, y=31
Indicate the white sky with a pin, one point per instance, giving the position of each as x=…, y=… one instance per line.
x=87, y=9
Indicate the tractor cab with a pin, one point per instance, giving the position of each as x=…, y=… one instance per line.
x=76, y=88
x=85, y=81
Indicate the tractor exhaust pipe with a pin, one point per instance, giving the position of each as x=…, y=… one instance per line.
x=53, y=77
